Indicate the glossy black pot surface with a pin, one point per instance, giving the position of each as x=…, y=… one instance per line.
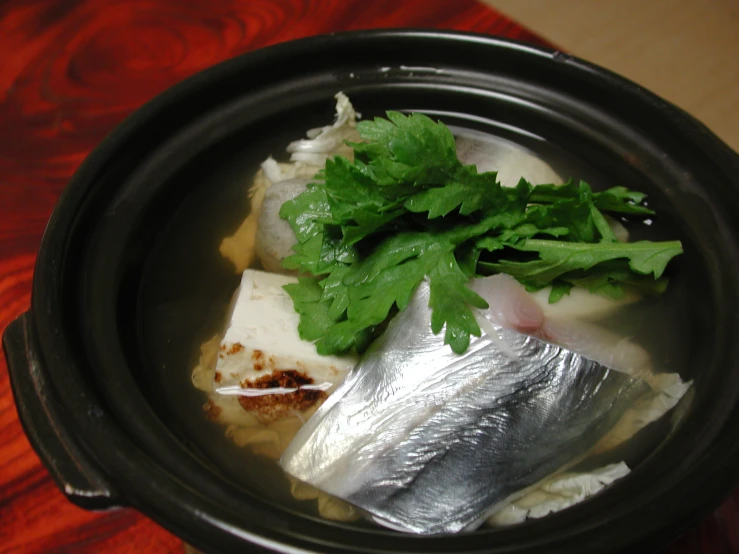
x=87, y=374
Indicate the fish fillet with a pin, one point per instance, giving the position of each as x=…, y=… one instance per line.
x=428, y=441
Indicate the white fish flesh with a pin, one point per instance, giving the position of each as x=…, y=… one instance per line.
x=581, y=304
x=428, y=441
x=511, y=161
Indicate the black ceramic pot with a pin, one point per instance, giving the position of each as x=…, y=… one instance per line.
x=93, y=366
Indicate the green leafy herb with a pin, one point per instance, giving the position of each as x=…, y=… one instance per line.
x=407, y=209
x=558, y=258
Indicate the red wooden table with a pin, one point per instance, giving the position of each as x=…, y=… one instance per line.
x=70, y=70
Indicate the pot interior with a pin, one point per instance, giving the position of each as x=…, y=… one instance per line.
x=186, y=285
x=156, y=286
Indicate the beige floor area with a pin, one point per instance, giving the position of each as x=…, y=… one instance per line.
x=687, y=51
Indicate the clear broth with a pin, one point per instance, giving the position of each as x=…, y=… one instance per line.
x=187, y=286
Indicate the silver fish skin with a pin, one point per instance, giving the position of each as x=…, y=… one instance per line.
x=428, y=441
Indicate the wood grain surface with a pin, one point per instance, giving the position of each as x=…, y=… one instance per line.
x=70, y=70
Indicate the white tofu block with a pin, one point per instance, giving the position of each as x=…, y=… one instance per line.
x=263, y=360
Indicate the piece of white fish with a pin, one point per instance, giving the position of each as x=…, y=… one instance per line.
x=514, y=308
x=511, y=161
x=428, y=441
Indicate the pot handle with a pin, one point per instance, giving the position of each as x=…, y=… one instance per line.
x=42, y=417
